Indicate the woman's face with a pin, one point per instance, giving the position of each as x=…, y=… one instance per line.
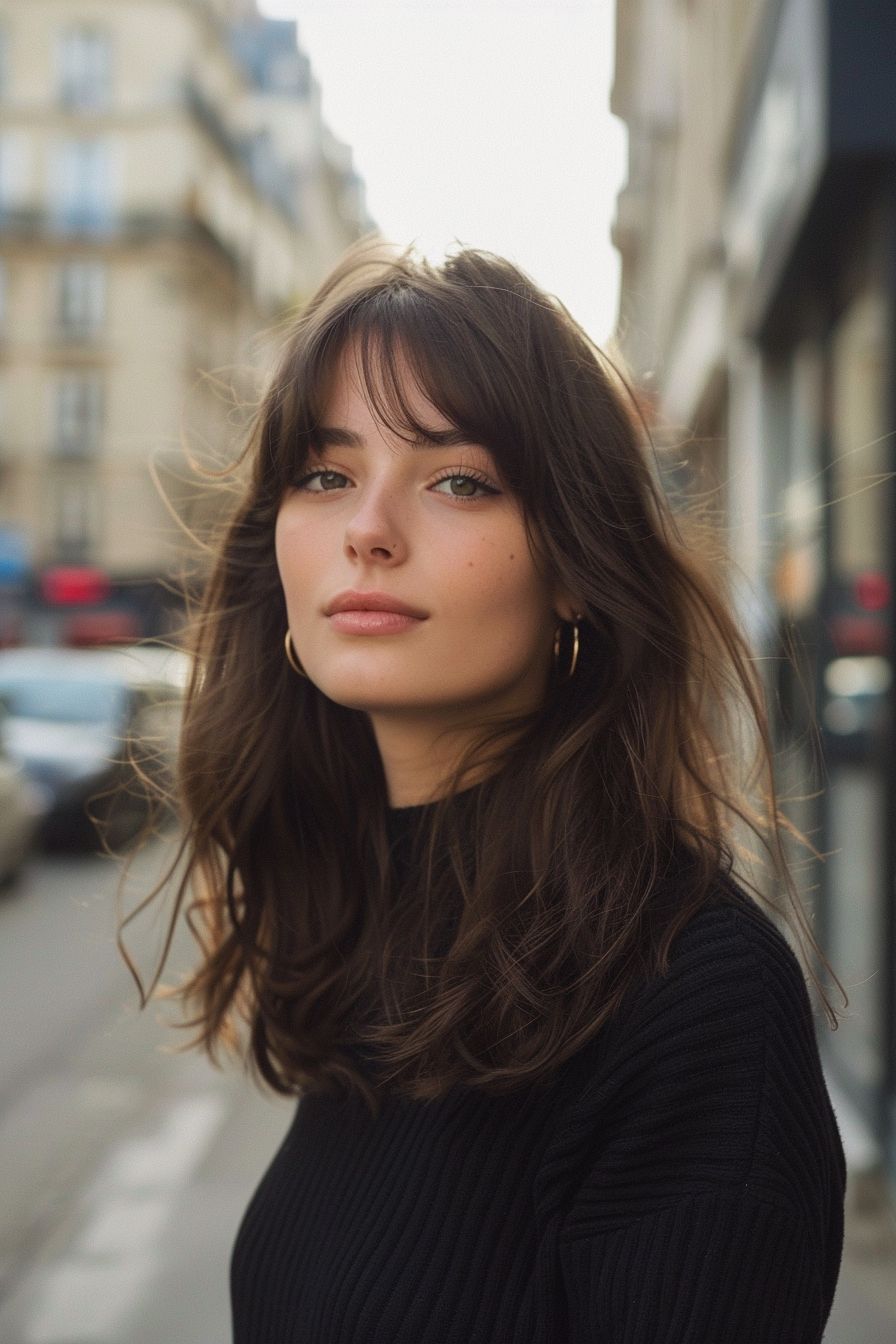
x=433, y=528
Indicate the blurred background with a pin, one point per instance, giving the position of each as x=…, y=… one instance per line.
x=710, y=187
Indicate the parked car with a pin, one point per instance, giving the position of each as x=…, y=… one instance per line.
x=74, y=716
x=21, y=810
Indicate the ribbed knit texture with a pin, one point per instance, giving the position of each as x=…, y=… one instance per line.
x=681, y=1182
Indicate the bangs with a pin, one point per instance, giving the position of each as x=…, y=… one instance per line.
x=397, y=342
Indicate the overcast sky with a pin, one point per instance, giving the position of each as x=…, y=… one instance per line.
x=485, y=121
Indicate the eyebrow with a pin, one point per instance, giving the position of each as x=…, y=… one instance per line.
x=333, y=435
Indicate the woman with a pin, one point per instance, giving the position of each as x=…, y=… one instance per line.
x=459, y=786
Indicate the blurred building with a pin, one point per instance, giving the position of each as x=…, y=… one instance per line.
x=168, y=189
x=282, y=115
x=757, y=231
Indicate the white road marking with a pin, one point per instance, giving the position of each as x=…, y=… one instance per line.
x=92, y=1290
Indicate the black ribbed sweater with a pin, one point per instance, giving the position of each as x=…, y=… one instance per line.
x=681, y=1183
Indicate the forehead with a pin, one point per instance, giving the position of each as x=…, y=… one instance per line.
x=391, y=394
x=377, y=388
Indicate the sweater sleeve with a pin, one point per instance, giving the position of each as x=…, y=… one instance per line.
x=708, y=1170
x=720, y=1266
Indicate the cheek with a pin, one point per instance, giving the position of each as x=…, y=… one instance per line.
x=283, y=550
x=503, y=586
x=292, y=550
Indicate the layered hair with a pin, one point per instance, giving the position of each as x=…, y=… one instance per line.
x=613, y=812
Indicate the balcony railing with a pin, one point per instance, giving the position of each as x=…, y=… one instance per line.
x=75, y=221
x=133, y=226
x=250, y=155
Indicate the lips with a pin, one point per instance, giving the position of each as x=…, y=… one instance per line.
x=353, y=600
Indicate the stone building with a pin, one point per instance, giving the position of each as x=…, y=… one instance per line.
x=757, y=231
x=168, y=189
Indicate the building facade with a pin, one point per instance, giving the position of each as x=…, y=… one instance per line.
x=168, y=190
x=757, y=232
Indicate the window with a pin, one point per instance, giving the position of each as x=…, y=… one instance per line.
x=73, y=513
x=81, y=299
x=84, y=69
x=14, y=170
x=81, y=186
x=79, y=415
x=4, y=61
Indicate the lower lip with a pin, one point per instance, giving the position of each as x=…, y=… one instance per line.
x=372, y=622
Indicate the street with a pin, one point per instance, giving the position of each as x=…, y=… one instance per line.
x=127, y=1168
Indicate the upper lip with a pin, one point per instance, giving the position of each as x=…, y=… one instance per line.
x=353, y=600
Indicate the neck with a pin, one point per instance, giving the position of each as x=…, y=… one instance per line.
x=419, y=760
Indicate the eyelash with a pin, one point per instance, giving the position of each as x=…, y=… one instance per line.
x=448, y=476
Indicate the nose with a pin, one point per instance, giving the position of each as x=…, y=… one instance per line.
x=373, y=532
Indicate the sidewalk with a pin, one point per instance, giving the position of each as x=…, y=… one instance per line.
x=864, y=1310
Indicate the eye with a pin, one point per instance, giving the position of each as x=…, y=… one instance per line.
x=462, y=484
x=469, y=483
x=329, y=480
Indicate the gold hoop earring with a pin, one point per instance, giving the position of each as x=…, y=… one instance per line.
x=291, y=656
x=575, y=646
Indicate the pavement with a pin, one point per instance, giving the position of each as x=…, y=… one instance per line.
x=864, y=1308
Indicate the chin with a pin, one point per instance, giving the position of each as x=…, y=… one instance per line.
x=367, y=703
x=361, y=692
x=390, y=695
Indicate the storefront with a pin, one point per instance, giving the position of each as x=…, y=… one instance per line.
x=811, y=237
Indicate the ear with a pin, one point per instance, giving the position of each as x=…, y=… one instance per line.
x=565, y=605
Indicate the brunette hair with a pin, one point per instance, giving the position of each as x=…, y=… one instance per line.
x=611, y=814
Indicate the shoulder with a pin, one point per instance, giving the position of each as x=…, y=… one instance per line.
x=732, y=984
x=710, y=1075
x=734, y=988
x=700, y=1149
x=731, y=950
